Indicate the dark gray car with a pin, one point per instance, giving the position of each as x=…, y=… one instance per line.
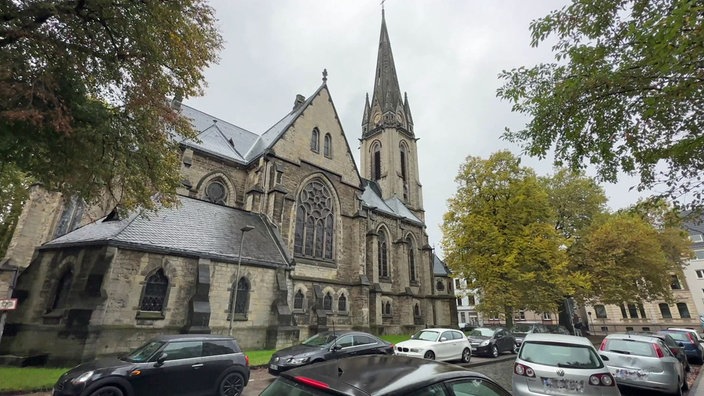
x=178, y=365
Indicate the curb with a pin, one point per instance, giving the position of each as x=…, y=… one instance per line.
x=492, y=361
x=697, y=388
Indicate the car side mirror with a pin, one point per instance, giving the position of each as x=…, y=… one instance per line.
x=160, y=360
x=443, y=339
x=604, y=358
x=336, y=347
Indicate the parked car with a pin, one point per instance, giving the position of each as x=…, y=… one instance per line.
x=693, y=332
x=676, y=348
x=436, y=344
x=692, y=348
x=382, y=376
x=520, y=330
x=557, y=329
x=491, y=341
x=328, y=345
x=643, y=362
x=184, y=364
x=560, y=364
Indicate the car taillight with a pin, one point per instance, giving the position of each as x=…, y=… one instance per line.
x=691, y=338
x=658, y=351
x=523, y=370
x=246, y=360
x=602, y=380
x=604, y=342
x=311, y=382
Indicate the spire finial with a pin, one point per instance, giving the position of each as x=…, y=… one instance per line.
x=382, y=7
x=325, y=75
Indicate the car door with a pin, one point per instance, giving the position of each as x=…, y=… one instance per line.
x=343, y=347
x=365, y=345
x=182, y=370
x=501, y=340
x=218, y=356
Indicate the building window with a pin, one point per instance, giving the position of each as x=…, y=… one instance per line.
x=600, y=311
x=154, y=295
x=404, y=169
x=696, y=238
x=547, y=316
x=342, y=303
x=700, y=274
x=463, y=317
x=623, y=311
x=459, y=301
x=327, y=146
x=216, y=192
x=315, y=222
x=521, y=315
x=684, y=311
x=315, y=140
x=62, y=289
x=376, y=161
x=471, y=300
x=665, y=311
x=242, y=302
x=675, y=283
x=327, y=302
x=633, y=311
x=70, y=217
x=386, y=308
x=629, y=328
x=298, y=300
x=412, y=260
x=416, y=310
x=383, y=255
x=699, y=253
x=439, y=285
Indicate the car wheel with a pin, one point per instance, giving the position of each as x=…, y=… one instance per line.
x=429, y=355
x=494, y=351
x=107, y=391
x=466, y=355
x=231, y=385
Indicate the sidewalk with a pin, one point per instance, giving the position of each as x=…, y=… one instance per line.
x=698, y=388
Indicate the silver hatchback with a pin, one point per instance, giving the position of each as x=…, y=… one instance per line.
x=559, y=364
x=643, y=362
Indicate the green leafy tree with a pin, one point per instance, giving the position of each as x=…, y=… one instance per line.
x=13, y=193
x=84, y=87
x=499, y=234
x=625, y=92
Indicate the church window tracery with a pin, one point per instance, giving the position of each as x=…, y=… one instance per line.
x=386, y=308
x=154, y=294
x=216, y=192
x=327, y=302
x=314, y=235
x=62, y=289
x=315, y=140
x=383, y=256
x=327, y=146
x=242, y=301
x=342, y=303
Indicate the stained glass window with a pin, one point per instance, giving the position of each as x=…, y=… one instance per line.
x=216, y=192
x=342, y=303
x=314, y=235
x=298, y=300
x=327, y=302
x=155, y=292
x=383, y=256
x=62, y=290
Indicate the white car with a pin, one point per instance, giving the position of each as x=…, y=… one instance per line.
x=693, y=332
x=436, y=344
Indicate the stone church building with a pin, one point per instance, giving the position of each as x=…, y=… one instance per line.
x=278, y=235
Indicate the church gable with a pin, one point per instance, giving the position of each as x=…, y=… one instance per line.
x=316, y=136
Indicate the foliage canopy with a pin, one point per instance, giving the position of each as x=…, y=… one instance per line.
x=84, y=88
x=625, y=93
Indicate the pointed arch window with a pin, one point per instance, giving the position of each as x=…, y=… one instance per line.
x=439, y=285
x=386, y=308
x=70, y=217
x=298, y=300
x=62, y=289
x=412, y=268
x=404, y=169
x=327, y=146
x=315, y=234
x=154, y=294
x=327, y=302
x=216, y=192
x=376, y=161
x=342, y=303
x=416, y=310
x=383, y=256
x=242, y=302
x=315, y=140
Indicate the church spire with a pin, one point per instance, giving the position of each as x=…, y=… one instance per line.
x=387, y=94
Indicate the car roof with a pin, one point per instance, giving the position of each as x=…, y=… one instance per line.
x=557, y=338
x=191, y=337
x=439, y=329
x=371, y=374
x=636, y=337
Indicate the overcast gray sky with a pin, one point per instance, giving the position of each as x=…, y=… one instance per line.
x=448, y=54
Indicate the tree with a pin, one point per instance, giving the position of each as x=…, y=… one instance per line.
x=626, y=93
x=84, y=85
x=499, y=234
x=13, y=193
x=628, y=260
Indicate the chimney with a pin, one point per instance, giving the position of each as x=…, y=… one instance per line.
x=299, y=101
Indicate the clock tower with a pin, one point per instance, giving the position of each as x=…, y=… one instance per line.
x=389, y=154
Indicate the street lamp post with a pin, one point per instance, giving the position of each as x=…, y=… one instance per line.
x=233, y=300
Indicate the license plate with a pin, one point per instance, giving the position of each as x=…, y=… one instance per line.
x=563, y=384
x=631, y=374
x=273, y=367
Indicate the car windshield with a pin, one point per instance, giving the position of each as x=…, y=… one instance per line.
x=522, y=328
x=679, y=336
x=629, y=347
x=482, y=332
x=426, y=335
x=320, y=339
x=144, y=353
x=560, y=355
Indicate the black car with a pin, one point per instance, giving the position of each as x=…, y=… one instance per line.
x=491, y=341
x=167, y=365
x=521, y=329
x=383, y=376
x=328, y=345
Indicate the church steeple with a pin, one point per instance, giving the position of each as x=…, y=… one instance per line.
x=389, y=152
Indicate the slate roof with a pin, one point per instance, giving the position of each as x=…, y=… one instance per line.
x=195, y=228
x=371, y=198
x=439, y=267
x=228, y=141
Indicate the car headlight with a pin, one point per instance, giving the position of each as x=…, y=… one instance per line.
x=82, y=378
x=297, y=360
x=485, y=343
x=415, y=350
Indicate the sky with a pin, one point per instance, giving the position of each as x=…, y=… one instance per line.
x=448, y=54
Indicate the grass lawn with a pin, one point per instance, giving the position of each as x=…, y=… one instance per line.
x=28, y=378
